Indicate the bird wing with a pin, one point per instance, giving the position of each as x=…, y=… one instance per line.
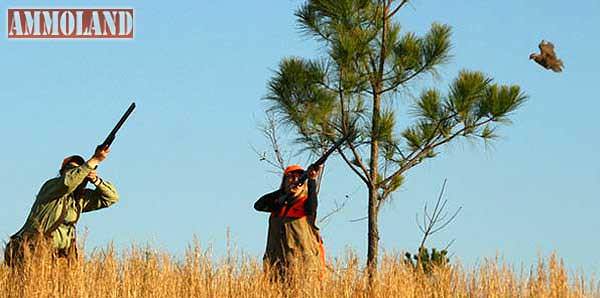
x=539, y=59
x=556, y=65
x=547, y=49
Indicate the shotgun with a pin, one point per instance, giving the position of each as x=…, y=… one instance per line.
x=111, y=136
x=317, y=163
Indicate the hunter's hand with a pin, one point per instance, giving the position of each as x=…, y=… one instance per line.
x=92, y=177
x=99, y=155
x=313, y=172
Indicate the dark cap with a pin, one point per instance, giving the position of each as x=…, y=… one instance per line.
x=73, y=158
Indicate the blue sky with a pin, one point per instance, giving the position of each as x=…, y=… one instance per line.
x=184, y=165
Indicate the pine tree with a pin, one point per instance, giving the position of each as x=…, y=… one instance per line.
x=351, y=89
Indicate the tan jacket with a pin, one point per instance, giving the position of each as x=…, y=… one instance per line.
x=56, y=196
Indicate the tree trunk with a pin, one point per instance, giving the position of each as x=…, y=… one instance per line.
x=373, y=238
x=377, y=85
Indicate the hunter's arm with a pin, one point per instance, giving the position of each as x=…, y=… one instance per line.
x=268, y=202
x=312, y=202
x=103, y=196
x=56, y=188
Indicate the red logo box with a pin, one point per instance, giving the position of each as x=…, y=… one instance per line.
x=103, y=23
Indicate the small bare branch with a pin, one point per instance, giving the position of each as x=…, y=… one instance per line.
x=337, y=208
x=418, y=223
x=427, y=216
x=435, y=222
x=270, y=131
x=446, y=223
x=365, y=179
x=358, y=160
x=262, y=156
x=359, y=219
x=449, y=244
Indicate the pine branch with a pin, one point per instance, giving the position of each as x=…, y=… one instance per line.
x=397, y=9
x=429, y=147
x=345, y=128
x=434, y=135
x=432, y=50
x=400, y=82
x=309, y=23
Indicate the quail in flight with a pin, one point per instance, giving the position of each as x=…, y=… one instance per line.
x=547, y=57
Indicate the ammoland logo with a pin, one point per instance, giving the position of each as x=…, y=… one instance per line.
x=70, y=23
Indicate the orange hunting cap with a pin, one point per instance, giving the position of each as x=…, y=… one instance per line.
x=73, y=158
x=292, y=168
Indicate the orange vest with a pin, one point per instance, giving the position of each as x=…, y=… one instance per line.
x=295, y=210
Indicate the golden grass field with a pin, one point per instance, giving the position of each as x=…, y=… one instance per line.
x=143, y=272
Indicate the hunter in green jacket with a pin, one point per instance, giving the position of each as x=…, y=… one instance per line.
x=60, y=202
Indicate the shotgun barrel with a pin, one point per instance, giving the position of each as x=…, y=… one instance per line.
x=111, y=136
x=317, y=163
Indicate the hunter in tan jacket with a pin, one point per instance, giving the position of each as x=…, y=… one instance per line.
x=59, y=204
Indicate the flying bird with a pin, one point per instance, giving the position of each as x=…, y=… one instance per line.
x=547, y=57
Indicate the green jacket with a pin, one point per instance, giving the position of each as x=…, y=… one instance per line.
x=58, y=193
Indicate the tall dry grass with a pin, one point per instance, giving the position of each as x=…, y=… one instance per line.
x=144, y=272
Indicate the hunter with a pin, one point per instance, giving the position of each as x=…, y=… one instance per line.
x=292, y=235
x=58, y=206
